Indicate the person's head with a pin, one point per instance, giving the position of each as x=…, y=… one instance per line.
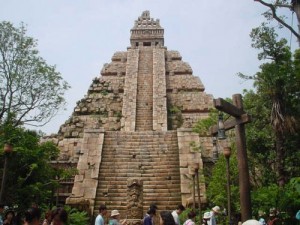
x=151, y=211
x=180, y=208
x=33, y=216
x=59, y=216
x=216, y=209
x=115, y=214
x=9, y=215
x=261, y=213
x=154, y=206
x=1, y=208
x=191, y=215
x=166, y=218
x=207, y=216
x=102, y=210
x=48, y=215
x=251, y=222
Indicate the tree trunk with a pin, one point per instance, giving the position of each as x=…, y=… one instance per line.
x=280, y=155
x=296, y=9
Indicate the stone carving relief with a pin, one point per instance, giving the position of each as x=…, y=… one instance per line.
x=134, y=200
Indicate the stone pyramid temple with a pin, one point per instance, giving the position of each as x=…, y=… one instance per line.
x=131, y=137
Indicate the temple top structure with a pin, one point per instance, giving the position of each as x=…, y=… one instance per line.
x=146, y=32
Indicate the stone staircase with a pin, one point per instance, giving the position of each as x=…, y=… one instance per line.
x=149, y=155
x=144, y=107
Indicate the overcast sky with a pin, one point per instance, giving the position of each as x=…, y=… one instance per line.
x=80, y=36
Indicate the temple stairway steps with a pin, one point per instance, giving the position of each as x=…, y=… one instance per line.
x=144, y=106
x=149, y=155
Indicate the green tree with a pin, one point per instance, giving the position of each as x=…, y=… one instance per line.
x=277, y=85
x=31, y=177
x=31, y=91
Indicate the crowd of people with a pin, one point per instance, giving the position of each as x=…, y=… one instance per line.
x=165, y=217
x=172, y=218
x=32, y=216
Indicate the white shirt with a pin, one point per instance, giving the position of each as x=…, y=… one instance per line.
x=212, y=220
x=99, y=220
x=176, y=217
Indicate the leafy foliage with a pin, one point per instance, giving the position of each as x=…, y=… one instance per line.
x=216, y=190
x=31, y=91
x=76, y=217
x=30, y=178
x=278, y=93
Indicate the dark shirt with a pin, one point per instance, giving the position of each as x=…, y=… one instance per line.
x=147, y=220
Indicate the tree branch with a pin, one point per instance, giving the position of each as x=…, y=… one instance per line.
x=273, y=9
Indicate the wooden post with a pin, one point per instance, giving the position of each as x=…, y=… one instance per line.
x=240, y=119
x=194, y=197
x=244, y=184
x=199, y=198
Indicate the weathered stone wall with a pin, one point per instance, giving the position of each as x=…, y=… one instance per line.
x=187, y=102
x=117, y=66
x=86, y=182
x=130, y=91
x=191, y=101
x=189, y=153
x=184, y=82
x=160, y=118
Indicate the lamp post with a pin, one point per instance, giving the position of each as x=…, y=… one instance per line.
x=227, y=154
x=240, y=118
x=196, y=166
x=192, y=172
x=8, y=148
x=215, y=151
x=221, y=127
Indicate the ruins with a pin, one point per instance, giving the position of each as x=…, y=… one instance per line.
x=131, y=137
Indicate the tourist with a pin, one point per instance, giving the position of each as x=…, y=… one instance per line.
x=114, y=218
x=261, y=219
x=102, y=212
x=251, y=222
x=191, y=218
x=1, y=213
x=206, y=218
x=32, y=216
x=148, y=219
x=9, y=217
x=177, y=212
x=214, y=211
x=47, y=219
x=166, y=218
x=273, y=219
x=59, y=216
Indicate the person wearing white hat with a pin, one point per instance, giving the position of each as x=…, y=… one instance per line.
x=206, y=218
x=114, y=217
x=251, y=222
x=214, y=211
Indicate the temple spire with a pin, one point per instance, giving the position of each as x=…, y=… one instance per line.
x=146, y=32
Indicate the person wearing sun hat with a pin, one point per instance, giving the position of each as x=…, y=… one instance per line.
x=206, y=218
x=114, y=218
x=214, y=211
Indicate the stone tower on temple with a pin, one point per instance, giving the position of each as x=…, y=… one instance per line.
x=131, y=137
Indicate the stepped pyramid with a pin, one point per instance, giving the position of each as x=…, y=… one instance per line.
x=131, y=137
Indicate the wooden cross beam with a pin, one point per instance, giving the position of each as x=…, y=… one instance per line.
x=240, y=118
x=230, y=124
